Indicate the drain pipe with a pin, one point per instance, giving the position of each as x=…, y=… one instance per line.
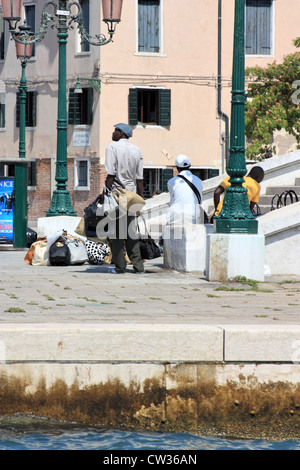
x=221, y=114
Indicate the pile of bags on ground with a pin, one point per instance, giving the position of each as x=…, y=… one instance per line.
x=63, y=249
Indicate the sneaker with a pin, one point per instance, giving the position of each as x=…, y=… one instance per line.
x=139, y=272
x=113, y=271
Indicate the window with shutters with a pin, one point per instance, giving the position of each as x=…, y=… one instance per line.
x=259, y=27
x=2, y=36
x=150, y=106
x=83, y=46
x=82, y=174
x=81, y=107
x=2, y=109
x=149, y=26
x=156, y=181
x=9, y=171
x=30, y=112
x=29, y=17
x=31, y=174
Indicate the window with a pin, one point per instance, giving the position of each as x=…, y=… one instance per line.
x=9, y=170
x=29, y=17
x=149, y=12
x=30, y=112
x=81, y=45
x=2, y=35
x=258, y=40
x=2, y=104
x=82, y=174
x=31, y=173
x=204, y=173
x=150, y=106
x=156, y=181
x=81, y=107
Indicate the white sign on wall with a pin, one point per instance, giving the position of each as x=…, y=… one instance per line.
x=82, y=139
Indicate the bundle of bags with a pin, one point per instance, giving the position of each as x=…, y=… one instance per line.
x=63, y=249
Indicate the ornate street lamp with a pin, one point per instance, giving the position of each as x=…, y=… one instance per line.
x=23, y=52
x=235, y=216
x=62, y=15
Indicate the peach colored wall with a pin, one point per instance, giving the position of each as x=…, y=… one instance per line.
x=187, y=65
x=189, y=49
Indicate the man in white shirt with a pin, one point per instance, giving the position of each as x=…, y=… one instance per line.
x=184, y=206
x=124, y=168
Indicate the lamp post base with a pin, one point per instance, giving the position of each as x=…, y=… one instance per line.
x=61, y=204
x=236, y=225
x=234, y=255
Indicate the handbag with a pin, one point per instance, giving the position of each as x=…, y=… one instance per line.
x=78, y=253
x=96, y=251
x=59, y=253
x=148, y=248
x=31, y=237
x=37, y=254
x=92, y=216
x=97, y=211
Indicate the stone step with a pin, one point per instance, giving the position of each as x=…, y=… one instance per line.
x=280, y=189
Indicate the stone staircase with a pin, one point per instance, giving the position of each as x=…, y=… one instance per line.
x=269, y=200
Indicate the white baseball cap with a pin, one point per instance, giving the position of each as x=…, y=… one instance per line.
x=182, y=161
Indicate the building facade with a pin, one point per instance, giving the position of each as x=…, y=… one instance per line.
x=167, y=73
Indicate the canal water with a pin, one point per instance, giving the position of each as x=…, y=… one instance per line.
x=33, y=438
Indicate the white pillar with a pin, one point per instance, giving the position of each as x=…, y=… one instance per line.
x=232, y=255
x=185, y=247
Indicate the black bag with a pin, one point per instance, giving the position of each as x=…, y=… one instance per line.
x=31, y=237
x=149, y=249
x=91, y=219
x=59, y=253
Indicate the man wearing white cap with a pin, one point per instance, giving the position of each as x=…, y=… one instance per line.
x=184, y=206
x=124, y=168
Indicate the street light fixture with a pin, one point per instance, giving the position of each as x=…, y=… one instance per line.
x=23, y=52
x=62, y=15
x=96, y=82
x=235, y=216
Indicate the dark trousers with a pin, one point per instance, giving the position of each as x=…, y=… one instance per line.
x=124, y=239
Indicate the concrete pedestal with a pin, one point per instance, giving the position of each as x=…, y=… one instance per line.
x=185, y=247
x=48, y=225
x=231, y=255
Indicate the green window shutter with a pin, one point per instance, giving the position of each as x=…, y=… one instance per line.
x=74, y=108
x=31, y=174
x=133, y=106
x=212, y=172
x=167, y=174
x=33, y=110
x=164, y=107
x=90, y=98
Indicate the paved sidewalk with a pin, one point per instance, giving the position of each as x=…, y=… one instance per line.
x=89, y=294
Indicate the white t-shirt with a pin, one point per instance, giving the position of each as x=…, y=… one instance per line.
x=124, y=160
x=184, y=208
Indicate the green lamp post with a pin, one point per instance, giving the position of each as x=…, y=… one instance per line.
x=235, y=216
x=62, y=15
x=23, y=52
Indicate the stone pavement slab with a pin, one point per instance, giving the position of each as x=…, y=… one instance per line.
x=162, y=315
x=88, y=293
